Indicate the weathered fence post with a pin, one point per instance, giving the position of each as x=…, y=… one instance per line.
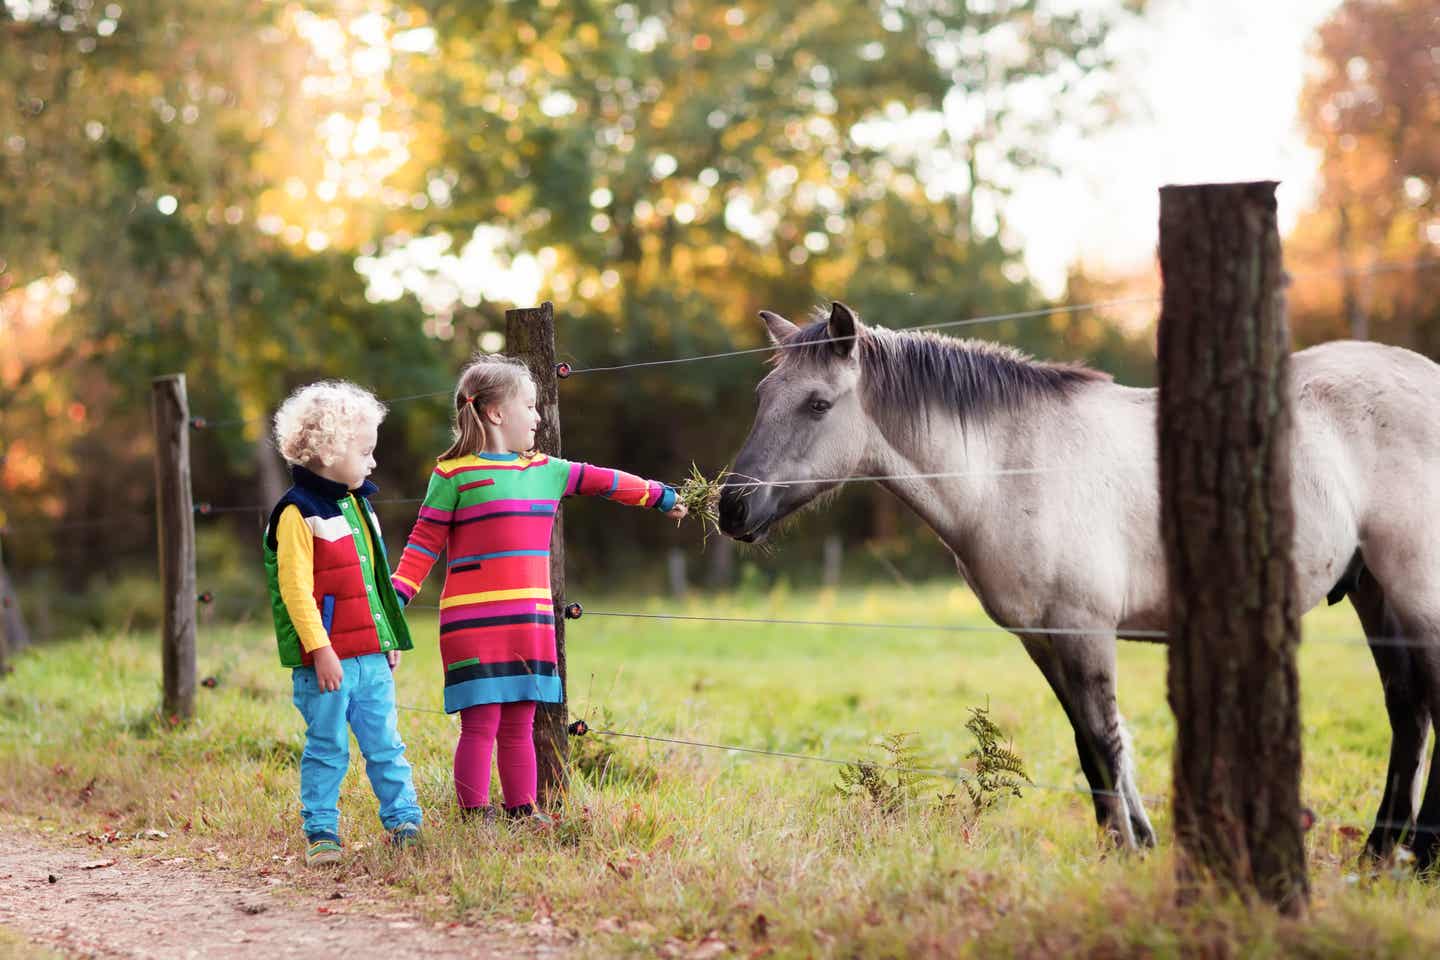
x=675, y=573
x=833, y=558
x=1227, y=524
x=530, y=335
x=175, y=518
x=14, y=636
x=6, y=602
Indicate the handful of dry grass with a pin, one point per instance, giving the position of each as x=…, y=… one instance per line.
x=701, y=496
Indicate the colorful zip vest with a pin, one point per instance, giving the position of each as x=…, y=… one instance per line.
x=357, y=604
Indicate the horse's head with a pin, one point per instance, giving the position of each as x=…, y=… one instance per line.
x=810, y=426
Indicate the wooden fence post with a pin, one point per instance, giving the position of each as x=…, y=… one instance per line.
x=1228, y=527
x=14, y=635
x=530, y=335
x=175, y=517
x=6, y=602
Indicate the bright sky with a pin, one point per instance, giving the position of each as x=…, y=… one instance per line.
x=1221, y=81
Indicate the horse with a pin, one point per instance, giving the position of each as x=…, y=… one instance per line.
x=1042, y=480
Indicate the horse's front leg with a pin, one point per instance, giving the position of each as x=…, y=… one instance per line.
x=1081, y=671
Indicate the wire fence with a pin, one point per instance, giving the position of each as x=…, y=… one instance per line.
x=206, y=509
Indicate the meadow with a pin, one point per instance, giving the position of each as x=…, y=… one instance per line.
x=688, y=851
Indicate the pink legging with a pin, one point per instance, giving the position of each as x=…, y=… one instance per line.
x=512, y=724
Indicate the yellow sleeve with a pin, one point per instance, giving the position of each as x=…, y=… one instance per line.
x=295, y=553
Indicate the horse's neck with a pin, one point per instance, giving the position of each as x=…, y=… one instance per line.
x=945, y=476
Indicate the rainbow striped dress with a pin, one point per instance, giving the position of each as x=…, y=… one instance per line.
x=492, y=514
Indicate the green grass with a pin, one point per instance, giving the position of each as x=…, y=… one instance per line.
x=15, y=946
x=677, y=842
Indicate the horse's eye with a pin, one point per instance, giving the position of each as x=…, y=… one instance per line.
x=819, y=406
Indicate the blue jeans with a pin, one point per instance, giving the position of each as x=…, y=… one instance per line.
x=366, y=701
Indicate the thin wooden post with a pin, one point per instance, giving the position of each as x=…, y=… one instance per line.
x=833, y=553
x=676, y=574
x=1228, y=527
x=175, y=518
x=14, y=635
x=6, y=602
x=530, y=336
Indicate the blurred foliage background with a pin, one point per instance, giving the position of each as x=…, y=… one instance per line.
x=261, y=194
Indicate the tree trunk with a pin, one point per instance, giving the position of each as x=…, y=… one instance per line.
x=1228, y=526
x=530, y=335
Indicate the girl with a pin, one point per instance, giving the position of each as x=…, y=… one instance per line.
x=491, y=506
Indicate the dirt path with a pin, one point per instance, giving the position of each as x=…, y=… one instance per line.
x=87, y=902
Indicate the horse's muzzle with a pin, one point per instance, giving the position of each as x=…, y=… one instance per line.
x=738, y=515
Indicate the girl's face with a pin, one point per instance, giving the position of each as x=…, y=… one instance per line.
x=511, y=423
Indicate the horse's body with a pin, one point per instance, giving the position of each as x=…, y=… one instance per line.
x=1049, y=502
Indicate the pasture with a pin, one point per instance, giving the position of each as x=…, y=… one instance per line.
x=688, y=851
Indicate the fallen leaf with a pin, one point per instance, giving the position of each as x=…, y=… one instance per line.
x=1353, y=833
x=624, y=869
x=709, y=948
x=97, y=864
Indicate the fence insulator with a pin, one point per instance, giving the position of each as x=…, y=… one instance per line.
x=563, y=370
x=579, y=728
x=573, y=610
x=199, y=423
x=204, y=509
x=206, y=597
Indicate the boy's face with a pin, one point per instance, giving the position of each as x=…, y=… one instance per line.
x=356, y=460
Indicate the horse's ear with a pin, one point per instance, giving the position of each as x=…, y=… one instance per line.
x=843, y=324
x=779, y=328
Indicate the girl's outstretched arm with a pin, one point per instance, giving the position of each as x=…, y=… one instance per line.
x=427, y=538
x=588, y=480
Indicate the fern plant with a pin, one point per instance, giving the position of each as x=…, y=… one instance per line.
x=891, y=786
x=999, y=770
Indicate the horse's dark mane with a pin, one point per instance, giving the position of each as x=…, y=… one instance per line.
x=911, y=371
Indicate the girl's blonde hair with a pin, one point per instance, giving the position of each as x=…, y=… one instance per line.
x=488, y=379
x=317, y=422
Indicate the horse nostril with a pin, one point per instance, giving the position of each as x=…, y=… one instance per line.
x=732, y=511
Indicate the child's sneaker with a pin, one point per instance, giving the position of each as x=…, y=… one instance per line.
x=323, y=850
x=482, y=814
x=527, y=815
x=404, y=836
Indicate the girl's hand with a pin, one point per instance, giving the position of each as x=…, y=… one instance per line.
x=393, y=658
x=328, y=671
x=677, y=512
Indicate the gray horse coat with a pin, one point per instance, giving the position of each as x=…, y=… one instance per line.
x=1048, y=498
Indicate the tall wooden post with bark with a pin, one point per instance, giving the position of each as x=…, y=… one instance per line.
x=175, y=518
x=1227, y=523
x=530, y=335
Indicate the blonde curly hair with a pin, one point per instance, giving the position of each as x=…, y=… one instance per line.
x=317, y=422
